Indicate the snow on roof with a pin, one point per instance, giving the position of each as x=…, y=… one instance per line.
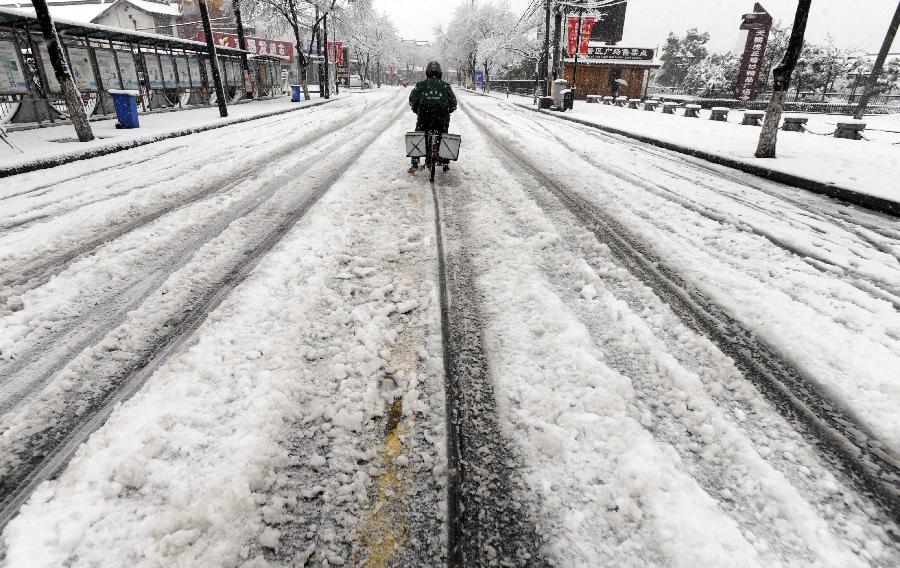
x=90, y=11
x=76, y=12
x=156, y=7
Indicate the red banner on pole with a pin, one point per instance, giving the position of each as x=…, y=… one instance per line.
x=587, y=26
x=257, y=45
x=758, y=24
x=336, y=52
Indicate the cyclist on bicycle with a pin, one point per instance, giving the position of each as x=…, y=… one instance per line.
x=432, y=100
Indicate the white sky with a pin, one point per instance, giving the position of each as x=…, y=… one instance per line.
x=856, y=23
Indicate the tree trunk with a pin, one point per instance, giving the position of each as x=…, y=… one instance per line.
x=242, y=44
x=325, y=46
x=544, y=65
x=70, y=92
x=879, y=63
x=213, y=59
x=768, y=138
x=557, y=31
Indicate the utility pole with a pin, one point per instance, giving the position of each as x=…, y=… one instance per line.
x=557, y=30
x=62, y=72
x=325, y=40
x=879, y=63
x=318, y=32
x=577, y=51
x=781, y=76
x=213, y=59
x=544, y=71
x=242, y=43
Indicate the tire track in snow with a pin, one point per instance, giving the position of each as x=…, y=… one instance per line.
x=221, y=153
x=847, y=216
x=48, y=455
x=879, y=290
x=29, y=275
x=830, y=427
x=490, y=521
x=721, y=420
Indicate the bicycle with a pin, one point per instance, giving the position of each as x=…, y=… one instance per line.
x=435, y=146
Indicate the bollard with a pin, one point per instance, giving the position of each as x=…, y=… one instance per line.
x=752, y=117
x=851, y=130
x=794, y=123
x=692, y=111
x=719, y=114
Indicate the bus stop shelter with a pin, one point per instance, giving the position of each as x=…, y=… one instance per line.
x=169, y=72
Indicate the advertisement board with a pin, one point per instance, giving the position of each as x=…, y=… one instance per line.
x=106, y=68
x=620, y=53
x=234, y=73
x=194, y=65
x=154, y=73
x=12, y=76
x=209, y=78
x=184, y=75
x=52, y=83
x=168, y=71
x=82, y=70
x=128, y=70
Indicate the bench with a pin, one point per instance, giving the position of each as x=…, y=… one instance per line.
x=620, y=101
x=669, y=108
x=594, y=98
x=692, y=111
x=752, y=117
x=794, y=123
x=607, y=100
x=633, y=103
x=719, y=114
x=851, y=130
x=650, y=105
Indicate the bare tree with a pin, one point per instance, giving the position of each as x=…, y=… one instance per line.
x=296, y=16
x=781, y=77
x=62, y=72
x=879, y=63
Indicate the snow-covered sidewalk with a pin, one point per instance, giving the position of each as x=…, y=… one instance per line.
x=57, y=143
x=867, y=166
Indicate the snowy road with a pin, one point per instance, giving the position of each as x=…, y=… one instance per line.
x=637, y=358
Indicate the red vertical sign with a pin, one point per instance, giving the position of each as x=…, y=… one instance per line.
x=587, y=26
x=758, y=23
x=336, y=52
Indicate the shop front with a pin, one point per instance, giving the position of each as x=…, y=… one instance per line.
x=612, y=71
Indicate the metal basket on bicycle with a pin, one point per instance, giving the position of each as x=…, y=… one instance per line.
x=416, y=145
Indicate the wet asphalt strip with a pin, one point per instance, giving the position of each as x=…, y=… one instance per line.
x=490, y=520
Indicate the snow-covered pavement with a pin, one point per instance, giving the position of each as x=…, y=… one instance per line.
x=249, y=320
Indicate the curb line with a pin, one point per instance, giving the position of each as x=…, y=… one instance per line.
x=847, y=195
x=41, y=164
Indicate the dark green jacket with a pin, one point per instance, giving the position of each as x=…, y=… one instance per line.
x=433, y=100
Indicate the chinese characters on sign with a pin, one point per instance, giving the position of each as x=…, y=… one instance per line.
x=257, y=45
x=757, y=25
x=587, y=24
x=625, y=53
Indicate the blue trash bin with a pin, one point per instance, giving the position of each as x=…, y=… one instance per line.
x=126, y=108
x=296, y=93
